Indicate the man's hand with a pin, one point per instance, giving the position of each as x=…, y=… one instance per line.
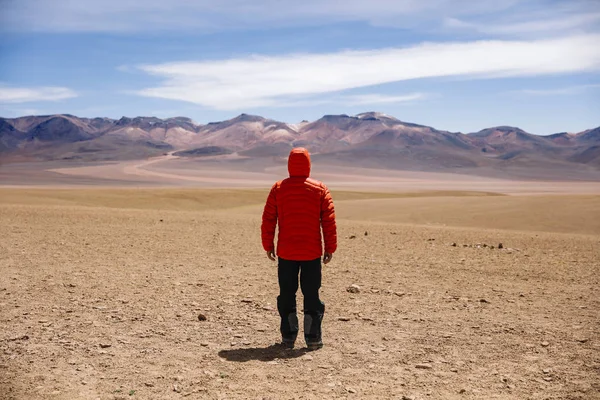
x=327, y=257
x=271, y=255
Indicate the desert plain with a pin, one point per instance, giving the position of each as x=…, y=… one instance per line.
x=147, y=280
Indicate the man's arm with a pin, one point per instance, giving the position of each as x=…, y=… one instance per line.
x=328, y=225
x=269, y=222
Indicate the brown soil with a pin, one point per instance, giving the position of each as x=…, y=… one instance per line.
x=100, y=293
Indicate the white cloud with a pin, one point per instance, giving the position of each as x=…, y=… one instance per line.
x=260, y=81
x=26, y=95
x=570, y=90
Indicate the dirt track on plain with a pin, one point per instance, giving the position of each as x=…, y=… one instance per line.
x=100, y=293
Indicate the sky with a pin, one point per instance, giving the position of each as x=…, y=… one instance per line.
x=456, y=65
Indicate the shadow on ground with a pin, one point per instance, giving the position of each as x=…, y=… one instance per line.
x=268, y=353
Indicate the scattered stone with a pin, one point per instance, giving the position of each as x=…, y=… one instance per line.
x=204, y=344
x=350, y=390
x=246, y=300
x=483, y=301
x=201, y=317
x=307, y=357
x=546, y=370
x=453, y=370
x=583, y=340
x=545, y=344
x=408, y=398
x=105, y=345
x=246, y=343
x=500, y=246
x=344, y=319
x=423, y=366
x=547, y=378
x=352, y=237
x=400, y=294
x=160, y=220
x=149, y=384
x=462, y=391
x=354, y=288
x=366, y=233
x=268, y=308
x=453, y=244
x=430, y=240
x=176, y=388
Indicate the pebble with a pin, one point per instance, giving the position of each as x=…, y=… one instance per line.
x=105, y=345
x=201, y=317
x=461, y=391
x=344, y=318
x=545, y=344
x=350, y=390
x=307, y=357
x=354, y=288
x=238, y=336
x=176, y=388
x=423, y=366
x=408, y=397
x=204, y=344
x=546, y=370
x=149, y=384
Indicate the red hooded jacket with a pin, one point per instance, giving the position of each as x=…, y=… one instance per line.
x=301, y=206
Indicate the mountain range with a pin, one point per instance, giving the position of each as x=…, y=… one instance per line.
x=370, y=139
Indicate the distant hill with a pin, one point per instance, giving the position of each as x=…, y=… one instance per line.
x=369, y=139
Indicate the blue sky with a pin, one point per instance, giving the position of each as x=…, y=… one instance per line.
x=458, y=65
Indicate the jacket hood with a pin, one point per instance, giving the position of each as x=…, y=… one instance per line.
x=299, y=162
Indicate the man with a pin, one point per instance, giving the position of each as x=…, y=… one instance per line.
x=301, y=206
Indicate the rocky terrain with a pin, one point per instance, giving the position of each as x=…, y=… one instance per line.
x=167, y=294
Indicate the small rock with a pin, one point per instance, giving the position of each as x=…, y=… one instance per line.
x=423, y=366
x=149, y=384
x=268, y=308
x=483, y=301
x=306, y=357
x=408, y=398
x=352, y=237
x=583, y=340
x=238, y=336
x=246, y=300
x=500, y=246
x=350, y=390
x=366, y=233
x=204, y=344
x=547, y=378
x=546, y=370
x=343, y=318
x=176, y=388
x=461, y=391
x=453, y=370
x=400, y=294
x=105, y=345
x=453, y=244
x=354, y=288
x=545, y=344
x=201, y=317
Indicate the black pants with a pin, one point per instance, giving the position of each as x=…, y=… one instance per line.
x=310, y=283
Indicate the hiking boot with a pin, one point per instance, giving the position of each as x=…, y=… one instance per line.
x=314, y=344
x=288, y=343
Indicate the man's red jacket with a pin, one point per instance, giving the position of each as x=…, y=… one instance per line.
x=301, y=206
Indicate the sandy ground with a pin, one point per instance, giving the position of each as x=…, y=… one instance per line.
x=240, y=172
x=101, y=290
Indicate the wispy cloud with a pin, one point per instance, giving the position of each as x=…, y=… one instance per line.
x=26, y=95
x=210, y=15
x=570, y=90
x=260, y=81
x=544, y=24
